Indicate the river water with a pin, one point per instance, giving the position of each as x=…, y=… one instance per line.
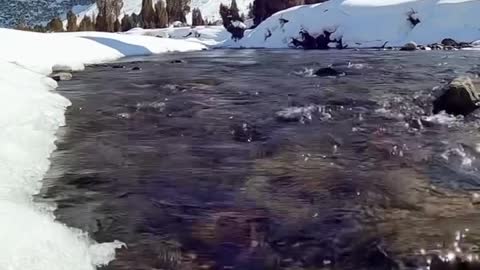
x=242, y=159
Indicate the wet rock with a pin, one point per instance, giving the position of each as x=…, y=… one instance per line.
x=62, y=76
x=118, y=66
x=460, y=96
x=177, y=61
x=410, y=46
x=296, y=114
x=449, y=42
x=136, y=68
x=329, y=71
x=245, y=133
x=436, y=46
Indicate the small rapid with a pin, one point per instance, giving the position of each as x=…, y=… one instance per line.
x=245, y=159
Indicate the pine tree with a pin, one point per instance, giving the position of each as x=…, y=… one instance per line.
x=108, y=12
x=86, y=24
x=197, y=18
x=71, y=21
x=127, y=23
x=55, y=25
x=234, y=12
x=161, y=14
x=177, y=10
x=148, y=14
x=117, y=27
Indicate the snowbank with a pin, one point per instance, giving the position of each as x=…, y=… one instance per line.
x=30, y=114
x=370, y=23
x=206, y=35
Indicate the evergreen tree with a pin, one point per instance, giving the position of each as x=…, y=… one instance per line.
x=127, y=23
x=117, y=27
x=161, y=14
x=108, y=12
x=148, y=14
x=86, y=24
x=55, y=25
x=177, y=10
x=71, y=22
x=197, y=18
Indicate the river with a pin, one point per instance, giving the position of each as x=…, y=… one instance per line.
x=242, y=159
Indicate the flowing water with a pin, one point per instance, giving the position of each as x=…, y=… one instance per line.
x=242, y=159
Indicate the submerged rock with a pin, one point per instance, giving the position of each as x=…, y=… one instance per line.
x=460, y=96
x=329, y=71
x=177, y=61
x=136, y=68
x=62, y=76
x=410, y=46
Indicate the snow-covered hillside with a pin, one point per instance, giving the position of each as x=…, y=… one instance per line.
x=30, y=114
x=209, y=8
x=370, y=23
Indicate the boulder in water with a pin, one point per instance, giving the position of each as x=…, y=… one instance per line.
x=329, y=71
x=61, y=76
x=449, y=42
x=460, y=97
x=410, y=46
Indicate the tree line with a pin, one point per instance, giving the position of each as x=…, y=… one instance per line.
x=159, y=15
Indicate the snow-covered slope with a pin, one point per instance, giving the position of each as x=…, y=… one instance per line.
x=30, y=113
x=370, y=23
x=209, y=8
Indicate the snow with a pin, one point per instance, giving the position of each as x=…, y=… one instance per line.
x=206, y=35
x=30, y=114
x=209, y=8
x=370, y=23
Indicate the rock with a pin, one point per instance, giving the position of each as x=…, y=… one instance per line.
x=460, y=96
x=177, y=61
x=118, y=66
x=410, y=46
x=324, y=72
x=136, y=68
x=61, y=76
x=436, y=46
x=61, y=68
x=449, y=42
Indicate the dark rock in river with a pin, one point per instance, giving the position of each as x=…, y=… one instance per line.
x=449, y=42
x=324, y=72
x=177, y=61
x=61, y=76
x=245, y=133
x=460, y=96
x=410, y=46
x=136, y=68
x=118, y=66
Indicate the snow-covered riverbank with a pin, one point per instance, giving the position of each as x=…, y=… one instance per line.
x=370, y=23
x=30, y=114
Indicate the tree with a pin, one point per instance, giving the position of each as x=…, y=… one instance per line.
x=161, y=14
x=197, y=18
x=135, y=20
x=263, y=9
x=108, y=12
x=229, y=14
x=148, y=14
x=86, y=24
x=177, y=10
x=117, y=27
x=55, y=25
x=71, y=22
x=127, y=23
